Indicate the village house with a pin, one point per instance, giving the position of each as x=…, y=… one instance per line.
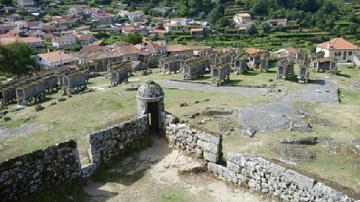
x=99, y=58
x=54, y=59
x=150, y=52
x=61, y=42
x=48, y=28
x=288, y=52
x=338, y=48
x=277, y=22
x=9, y=10
x=135, y=16
x=31, y=41
x=197, y=32
x=178, y=49
x=35, y=25
x=241, y=19
x=4, y=28
x=25, y=3
x=15, y=17
x=103, y=18
x=85, y=39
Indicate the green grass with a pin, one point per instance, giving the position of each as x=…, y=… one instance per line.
x=16, y=122
x=170, y=195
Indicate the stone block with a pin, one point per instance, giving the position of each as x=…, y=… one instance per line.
x=211, y=157
x=209, y=147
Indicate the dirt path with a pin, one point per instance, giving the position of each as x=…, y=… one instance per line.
x=155, y=177
x=247, y=91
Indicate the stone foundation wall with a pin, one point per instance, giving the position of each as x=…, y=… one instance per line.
x=194, y=142
x=39, y=170
x=263, y=176
x=115, y=141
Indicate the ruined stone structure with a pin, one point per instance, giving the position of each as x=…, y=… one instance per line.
x=170, y=64
x=304, y=74
x=33, y=91
x=75, y=81
x=240, y=65
x=120, y=72
x=220, y=74
x=285, y=69
x=29, y=88
x=150, y=102
x=264, y=62
x=195, y=69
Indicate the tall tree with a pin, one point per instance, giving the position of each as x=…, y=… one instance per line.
x=16, y=58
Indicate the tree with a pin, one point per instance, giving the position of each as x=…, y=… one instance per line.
x=251, y=29
x=266, y=28
x=133, y=38
x=6, y=2
x=16, y=58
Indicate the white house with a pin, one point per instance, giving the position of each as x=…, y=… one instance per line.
x=54, y=59
x=241, y=18
x=25, y=3
x=340, y=49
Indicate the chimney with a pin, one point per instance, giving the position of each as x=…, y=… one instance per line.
x=329, y=45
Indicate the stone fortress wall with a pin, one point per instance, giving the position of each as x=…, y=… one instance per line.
x=39, y=170
x=43, y=169
x=255, y=173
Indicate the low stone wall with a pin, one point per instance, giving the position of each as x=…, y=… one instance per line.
x=269, y=178
x=194, y=142
x=112, y=142
x=39, y=170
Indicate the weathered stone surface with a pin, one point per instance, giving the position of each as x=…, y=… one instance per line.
x=39, y=170
x=263, y=176
x=200, y=144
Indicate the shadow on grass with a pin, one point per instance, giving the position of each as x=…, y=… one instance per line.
x=317, y=81
x=233, y=82
x=251, y=73
x=343, y=75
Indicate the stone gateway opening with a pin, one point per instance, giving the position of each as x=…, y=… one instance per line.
x=153, y=114
x=150, y=102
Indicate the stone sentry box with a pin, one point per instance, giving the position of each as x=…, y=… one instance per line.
x=150, y=101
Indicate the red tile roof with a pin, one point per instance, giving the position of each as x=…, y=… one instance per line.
x=337, y=43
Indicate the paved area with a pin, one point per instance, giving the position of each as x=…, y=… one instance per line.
x=247, y=91
x=24, y=129
x=280, y=113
